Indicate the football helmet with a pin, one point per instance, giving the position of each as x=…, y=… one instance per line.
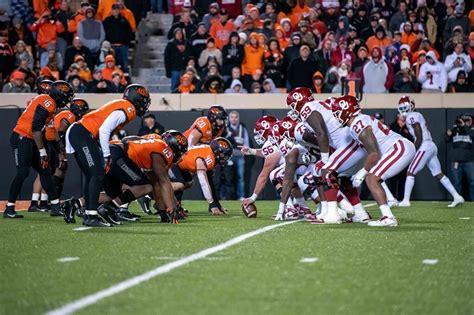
x=406, y=105
x=286, y=128
x=222, y=149
x=263, y=128
x=61, y=92
x=215, y=113
x=139, y=96
x=296, y=99
x=44, y=86
x=344, y=108
x=79, y=107
x=177, y=142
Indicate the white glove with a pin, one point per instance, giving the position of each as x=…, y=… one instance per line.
x=324, y=157
x=359, y=177
x=280, y=216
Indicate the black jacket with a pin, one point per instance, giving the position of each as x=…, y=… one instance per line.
x=175, y=60
x=92, y=87
x=117, y=30
x=188, y=29
x=300, y=72
x=232, y=56
x=71, y=52
x=198, y=43
x=404, y=87
x=462, y=138
x=158, y=129
x=323, y=63
x=291, y=53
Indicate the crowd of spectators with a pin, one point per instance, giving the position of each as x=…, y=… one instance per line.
x=271, y=46
x=47, y=39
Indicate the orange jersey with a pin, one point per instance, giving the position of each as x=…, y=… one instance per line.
x=204, y=126
x=152, y=136
x=94, y=120
x=140, y=151
x=24, y=124
x=55, y=124
x=204, y=152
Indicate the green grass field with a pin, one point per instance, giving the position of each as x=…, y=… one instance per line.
x=360, y=270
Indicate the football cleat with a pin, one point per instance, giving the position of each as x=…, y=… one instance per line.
x=164, y=216
x=384, y=221
x=303, y=211
x=56, y=210
x=10, y=213
x=404, y=204
x=95, y=221
x=392, y=203
x=68, y=211
x=125, y=215
x=291, y=214
x=456, y=201
x=144, y=203
x=107, y=212
x=35, y=208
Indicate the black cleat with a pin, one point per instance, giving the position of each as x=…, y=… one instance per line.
x=56, y=210
x=144, y=203
x=125, y=215
x=68, y=210
x=95, y=221
x=10, y=213
x=34, y=208
x=164, y=216
x=107, y=212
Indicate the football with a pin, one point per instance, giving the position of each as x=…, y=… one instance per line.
x=250, y=211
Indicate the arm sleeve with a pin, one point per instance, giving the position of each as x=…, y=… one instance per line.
x=205, y=185
x=113, y=121
x=39, y=119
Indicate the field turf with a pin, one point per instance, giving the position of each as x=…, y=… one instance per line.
x=359, y=270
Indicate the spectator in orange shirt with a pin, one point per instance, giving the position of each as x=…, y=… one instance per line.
x=222, y=28
x=280, y=36
x=127, y=14
x=253, y=59
x=47, y=29
x=104, y=8
x=380, y=39
x=76, y=18
x=408, y=36
x=297, y=12
x=254, y=14
x=110, y=68
x=84, y=72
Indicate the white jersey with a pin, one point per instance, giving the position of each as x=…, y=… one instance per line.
x=313, y=149
x=286, y=146
x=413, y=118
x=338, y=136
x=268, y=149
x=384, y=136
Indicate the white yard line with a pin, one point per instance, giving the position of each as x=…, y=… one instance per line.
x=82, y=228
x=309, y=260
x=127, y=284
x=430, y=261
x=67, y=259
x=370, y=205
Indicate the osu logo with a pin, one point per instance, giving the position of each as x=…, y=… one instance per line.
x=223, y=144
x=143, y=92
x=181, y=139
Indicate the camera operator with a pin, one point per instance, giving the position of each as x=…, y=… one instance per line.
x=462, y=136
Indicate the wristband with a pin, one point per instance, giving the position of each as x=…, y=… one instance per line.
x=252, y=152
x=42, y=152
x=253, y=197
x=213, y=204
x=363, y=172
x=324, y=157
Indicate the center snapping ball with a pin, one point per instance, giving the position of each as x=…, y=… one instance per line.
x=250, y=211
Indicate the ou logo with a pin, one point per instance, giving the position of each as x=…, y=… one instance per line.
x=265, y=125
x=344, y=105
x=297, y=96
x=287, y=125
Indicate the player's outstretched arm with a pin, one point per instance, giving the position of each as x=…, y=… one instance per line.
x=162, y=184
x=268, y=166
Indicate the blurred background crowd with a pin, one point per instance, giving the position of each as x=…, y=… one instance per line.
x=237, y=46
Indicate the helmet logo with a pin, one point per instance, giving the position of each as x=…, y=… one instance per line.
x=286, y=124
x=224, y=144
x=142, y=91
x=181, y=139
x=343, y=104
x=265, y=124
x=297, y=96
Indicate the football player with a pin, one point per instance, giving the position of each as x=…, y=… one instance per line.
x=269, y=151
x=94, y=158
x=201, y=161
x=205, y=129
x=343, y=161
x=388, y=153
x=29, y=148
x=426, y=153
x=57, y=127
x=142, y=165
